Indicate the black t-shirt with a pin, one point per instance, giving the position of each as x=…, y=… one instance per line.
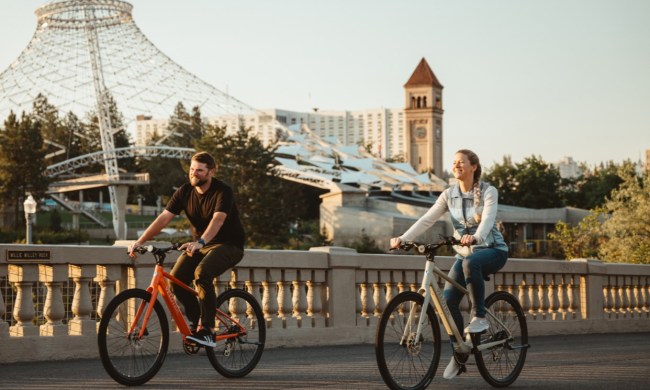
x=199, y=209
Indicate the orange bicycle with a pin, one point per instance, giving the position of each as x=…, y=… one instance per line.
x=133, y=334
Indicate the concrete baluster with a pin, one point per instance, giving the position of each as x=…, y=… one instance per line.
x=563, y=298
x=542, y=292
x=24, y=278
x=523, y=294
x=553, y=296
x=571, y=297
x=315, y=299
x=53, y=276
x=299, y=298
x=645, y=295
x=535, y=304
x=270, y=299
x=629, y=298
x=285, y=309
x=620, y=297
x=391, y=288
x=107, y=276
x=254, y=286
x=82, y=305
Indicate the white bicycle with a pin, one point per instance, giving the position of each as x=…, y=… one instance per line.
x=407, y=343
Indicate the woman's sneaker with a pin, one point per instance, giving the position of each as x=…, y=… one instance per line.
x=454, y=367
x=203, y=337
x=477, y=325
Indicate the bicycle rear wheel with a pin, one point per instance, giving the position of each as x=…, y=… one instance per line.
x=413, y=363
x=501, y=365
x=238, y=356
x=128, y=359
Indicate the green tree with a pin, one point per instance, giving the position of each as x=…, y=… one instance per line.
x=581, y=241
x=532, y=183
x=185, y=128
x=51, y=128
x=75, y=138
x=502, y=177
x=22, y=161
x=247, y=165
x=628, y=227
x=591, y=189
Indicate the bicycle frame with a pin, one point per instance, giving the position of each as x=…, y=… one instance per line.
x=428, y=285
x=160, y=286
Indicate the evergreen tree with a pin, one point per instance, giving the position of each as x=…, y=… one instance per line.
x=22, y=161
x=54, y=135
x=186, y=128
x=120, y=136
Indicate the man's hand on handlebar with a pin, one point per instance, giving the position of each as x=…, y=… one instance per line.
x=395, y=242
x=132, y=249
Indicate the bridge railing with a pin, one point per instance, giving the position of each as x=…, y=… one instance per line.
x=51, y=297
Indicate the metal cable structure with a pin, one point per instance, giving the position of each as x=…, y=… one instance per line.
x=84, y=50
x=71, y=35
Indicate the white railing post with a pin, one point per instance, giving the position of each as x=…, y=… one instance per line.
x=24, y=277
x=82, y=306
x=54, y=276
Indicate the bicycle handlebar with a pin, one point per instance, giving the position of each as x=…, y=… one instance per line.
x=155, y=250
x=428, y=248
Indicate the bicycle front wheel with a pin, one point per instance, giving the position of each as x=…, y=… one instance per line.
x=238, y=356
x=404, y=362
x=501, y=365
x=128, y=358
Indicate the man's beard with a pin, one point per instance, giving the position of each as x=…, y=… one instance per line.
x=197, y=182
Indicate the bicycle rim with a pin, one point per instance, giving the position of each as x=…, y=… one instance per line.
x=236, y=357
x=412, y=364
x=501, y=365
x=128, y=359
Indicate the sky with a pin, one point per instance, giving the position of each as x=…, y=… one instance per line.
x=549, y=78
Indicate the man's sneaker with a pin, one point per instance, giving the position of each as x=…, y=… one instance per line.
x=477, y=325
x=454, y=368
x=203, y=337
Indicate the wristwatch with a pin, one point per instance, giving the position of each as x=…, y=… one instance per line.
x=201, y=241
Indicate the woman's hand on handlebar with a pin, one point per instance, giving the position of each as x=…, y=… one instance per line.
x=395, y=242
x=467, y=240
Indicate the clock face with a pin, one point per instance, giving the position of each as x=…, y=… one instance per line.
x=420, y=132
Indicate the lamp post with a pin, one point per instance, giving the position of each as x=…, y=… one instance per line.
x=30, y=210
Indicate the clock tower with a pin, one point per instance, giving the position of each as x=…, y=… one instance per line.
x=423, y=120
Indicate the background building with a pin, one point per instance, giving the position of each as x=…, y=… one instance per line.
x=412, y=134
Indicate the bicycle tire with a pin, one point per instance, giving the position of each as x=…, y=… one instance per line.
x=501, y=365
x=237, y=357
x=128, y=360
x=412, y=365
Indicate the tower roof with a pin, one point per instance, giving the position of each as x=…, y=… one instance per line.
x=423, y=75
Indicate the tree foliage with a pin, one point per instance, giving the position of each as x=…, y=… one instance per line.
x=627, y=230
x=265, y=205
x=22, y=161
x=581, y=241
x=593, y=186
x=619, y=231
x=532, y=183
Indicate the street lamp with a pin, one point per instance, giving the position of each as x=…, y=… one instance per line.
x=30, y=210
